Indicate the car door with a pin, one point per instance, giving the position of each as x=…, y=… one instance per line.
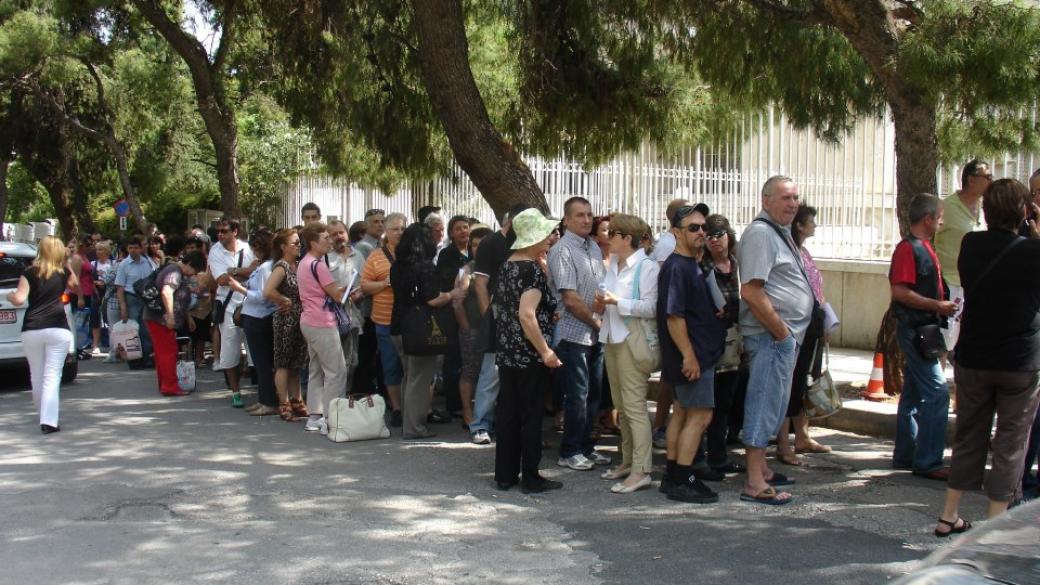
x=11, y=269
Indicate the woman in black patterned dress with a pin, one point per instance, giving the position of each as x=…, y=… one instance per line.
x=290, y=348
x=523, y=307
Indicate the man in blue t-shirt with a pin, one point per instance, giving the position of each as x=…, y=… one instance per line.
x=692, y=340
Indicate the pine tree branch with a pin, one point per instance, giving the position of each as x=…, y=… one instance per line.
x=227, y=35
x=787, y=12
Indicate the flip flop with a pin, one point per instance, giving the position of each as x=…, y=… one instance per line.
x=779, y=479
x=813, y=448
x=767, y=496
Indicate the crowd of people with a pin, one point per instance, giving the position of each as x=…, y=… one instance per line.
x=572, y=318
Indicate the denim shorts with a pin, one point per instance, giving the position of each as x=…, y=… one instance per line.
x=697, y=394
x=769, y=386
x=393, y=371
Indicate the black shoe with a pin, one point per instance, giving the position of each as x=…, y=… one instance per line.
x=395, y=419
x=438, y=417
x=693, y=492
x=667, y=483
x=709, y=474
x=505, y=486
x=731, y=467
x=48, y=429
x=539, y=485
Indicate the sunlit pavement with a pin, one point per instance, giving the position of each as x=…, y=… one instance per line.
x=141, y=489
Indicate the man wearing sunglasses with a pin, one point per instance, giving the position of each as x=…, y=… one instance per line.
x=375, y=226
x=692, y=340
x=776, y=305
x=962, y=213
x=231, y=261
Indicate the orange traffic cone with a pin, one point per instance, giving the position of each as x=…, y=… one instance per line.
x=876, y=386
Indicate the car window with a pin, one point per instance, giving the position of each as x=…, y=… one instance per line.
x=11, y=268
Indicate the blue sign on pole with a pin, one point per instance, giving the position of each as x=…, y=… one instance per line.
x=122, y=208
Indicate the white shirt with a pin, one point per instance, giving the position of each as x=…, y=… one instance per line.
x=664, y=246
x=347, y=268
x=221, y=260
x=621, y=284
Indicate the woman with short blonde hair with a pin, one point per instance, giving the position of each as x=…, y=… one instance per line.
x=46, y=336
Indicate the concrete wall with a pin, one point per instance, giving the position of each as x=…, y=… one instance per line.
x=859, y=293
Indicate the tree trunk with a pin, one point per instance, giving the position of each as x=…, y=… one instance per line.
x=60, y=192
x=80, y=206
x=917, y=152
x=129, y=192
x=5, y=164
x=491, y=163
x=207, y=79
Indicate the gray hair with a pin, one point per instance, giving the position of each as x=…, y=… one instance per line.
x=394, y=217
x=922, y=206
x=772, y=182
x=434, y=219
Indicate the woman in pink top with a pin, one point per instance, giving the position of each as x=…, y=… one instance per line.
x=328, y=369
x=809, y=356
x=80, y=264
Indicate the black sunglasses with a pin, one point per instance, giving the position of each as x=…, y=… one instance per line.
x=695, y=227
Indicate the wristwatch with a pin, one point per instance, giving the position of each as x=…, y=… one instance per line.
x=233, y=271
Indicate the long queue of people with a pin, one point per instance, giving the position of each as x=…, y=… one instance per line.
x=586, y=308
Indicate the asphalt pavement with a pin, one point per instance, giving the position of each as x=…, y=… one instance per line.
x=141, y=489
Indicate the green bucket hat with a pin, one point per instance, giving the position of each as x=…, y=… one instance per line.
x=531, y=227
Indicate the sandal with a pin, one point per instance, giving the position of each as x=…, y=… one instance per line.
x=965, y=526
x=768, y=496
x=285, y=411
x=299, y=409
x=813, y=447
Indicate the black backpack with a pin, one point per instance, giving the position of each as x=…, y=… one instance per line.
x=148, y=291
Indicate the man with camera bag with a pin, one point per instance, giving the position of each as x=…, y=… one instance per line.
x=919, y=302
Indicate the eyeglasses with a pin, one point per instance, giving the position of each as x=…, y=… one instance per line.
x=223, y=230
x=372, y=212
x=694, y=227
x=717, y=235
x=612, y=233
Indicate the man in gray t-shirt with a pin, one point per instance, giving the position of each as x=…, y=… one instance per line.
x=776, y=305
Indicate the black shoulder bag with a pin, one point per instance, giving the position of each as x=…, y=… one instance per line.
x=220, y=307
x=426, y=330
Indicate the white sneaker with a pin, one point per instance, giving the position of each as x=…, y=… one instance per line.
x=481, y=438
x=323, y=427
x=314, y=424
x=598, y=458
x=577, y=462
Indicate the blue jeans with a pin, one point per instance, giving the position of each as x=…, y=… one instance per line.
x=769, y=386
x=393, y=371
x=485, y=395
x=923, y=410
x=81, y=318
x=581, y=379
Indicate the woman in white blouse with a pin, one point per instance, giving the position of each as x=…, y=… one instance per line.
x=628, y=305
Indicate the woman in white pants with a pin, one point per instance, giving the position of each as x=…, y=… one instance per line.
x=45, y=328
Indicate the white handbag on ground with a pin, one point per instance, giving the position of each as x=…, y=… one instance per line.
x=185, y=364
x=126, y=340
x=357, y=418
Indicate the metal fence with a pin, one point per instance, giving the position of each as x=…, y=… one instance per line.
x=852, y=184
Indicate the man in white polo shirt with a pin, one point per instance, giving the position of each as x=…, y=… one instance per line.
x=231, y=261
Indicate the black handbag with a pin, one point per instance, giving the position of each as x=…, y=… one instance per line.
x=929, y=341
x=429, y=331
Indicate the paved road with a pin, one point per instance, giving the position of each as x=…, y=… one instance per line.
x=140, y=489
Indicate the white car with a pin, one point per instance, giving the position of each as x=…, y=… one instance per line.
x=14, y=259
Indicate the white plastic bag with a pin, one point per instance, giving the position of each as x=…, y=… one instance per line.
x=186, y=374
x=125, y=340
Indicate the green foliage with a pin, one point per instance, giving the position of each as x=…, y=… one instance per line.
x=26, y=198
x=271, y=153
x=980, y=61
